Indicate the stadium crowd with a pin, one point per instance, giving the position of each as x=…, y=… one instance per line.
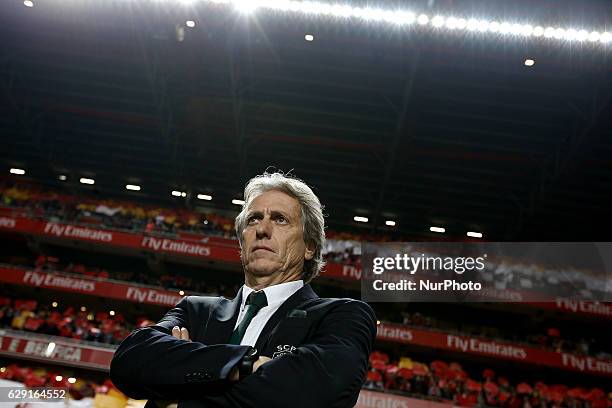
x=73, y=322
x=449, y=382
x=49, y=204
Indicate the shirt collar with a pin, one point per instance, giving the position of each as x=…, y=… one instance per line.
x=275, y=294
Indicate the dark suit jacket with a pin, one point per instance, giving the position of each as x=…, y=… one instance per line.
x=320, y=349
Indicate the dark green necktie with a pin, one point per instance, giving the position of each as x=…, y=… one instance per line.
x=254, y=302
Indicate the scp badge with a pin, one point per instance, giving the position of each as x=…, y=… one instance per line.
x=283, y=349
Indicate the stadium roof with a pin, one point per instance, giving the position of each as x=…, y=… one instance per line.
x=419, y=125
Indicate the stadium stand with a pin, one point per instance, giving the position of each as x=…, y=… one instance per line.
x=436, y=124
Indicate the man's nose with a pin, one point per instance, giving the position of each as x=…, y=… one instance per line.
x=264, y=228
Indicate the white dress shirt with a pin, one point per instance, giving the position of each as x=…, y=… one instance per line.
x=276, y=295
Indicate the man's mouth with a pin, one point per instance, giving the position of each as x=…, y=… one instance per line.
x=263, y=248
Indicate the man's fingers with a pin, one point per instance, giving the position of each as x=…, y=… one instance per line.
x=176, y=332
x=180, y=333
x=185, y=334
x=234, y=375
x=260, y=361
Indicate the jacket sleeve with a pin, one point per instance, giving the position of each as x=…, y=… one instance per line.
x=327, y=372
x=151, y=364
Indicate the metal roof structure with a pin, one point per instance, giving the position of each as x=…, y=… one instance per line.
x=417, y=125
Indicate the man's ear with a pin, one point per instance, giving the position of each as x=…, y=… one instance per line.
x=309, y=252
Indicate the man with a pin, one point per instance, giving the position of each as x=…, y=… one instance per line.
x=277, y=344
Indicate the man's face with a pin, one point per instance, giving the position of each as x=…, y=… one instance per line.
x=273, y=240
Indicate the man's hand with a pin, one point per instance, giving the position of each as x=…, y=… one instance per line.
x=234, y=375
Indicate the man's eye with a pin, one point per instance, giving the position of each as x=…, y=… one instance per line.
x=281, y=220
x=251, y=220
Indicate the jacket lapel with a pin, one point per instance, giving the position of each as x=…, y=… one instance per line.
x=222, y=320
x=305, y=293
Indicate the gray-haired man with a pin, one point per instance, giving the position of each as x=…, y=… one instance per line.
x=276, y=344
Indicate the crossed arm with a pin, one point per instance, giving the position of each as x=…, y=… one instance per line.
x=153, y=364
x=182, y=333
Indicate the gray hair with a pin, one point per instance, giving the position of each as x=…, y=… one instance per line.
x=313, y=223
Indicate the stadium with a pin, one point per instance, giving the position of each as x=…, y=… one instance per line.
x=473, y=131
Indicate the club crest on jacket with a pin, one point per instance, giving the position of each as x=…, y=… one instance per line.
x=283, y=349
